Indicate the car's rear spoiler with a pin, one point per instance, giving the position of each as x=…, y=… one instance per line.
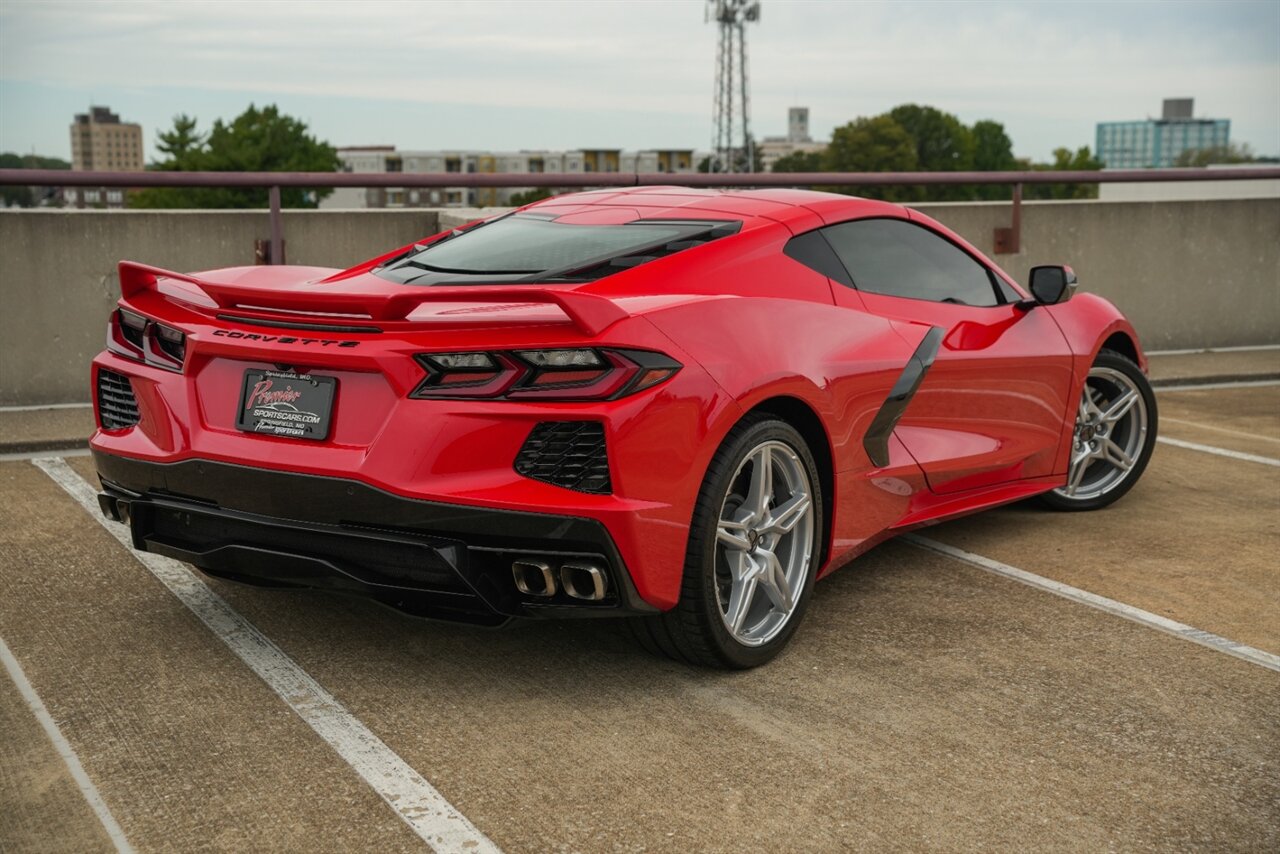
x=592, y=314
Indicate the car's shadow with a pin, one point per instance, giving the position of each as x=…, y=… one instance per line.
x=860, y=601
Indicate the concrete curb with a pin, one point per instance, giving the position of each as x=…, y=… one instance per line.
x=1175, y=382
x=32, y=446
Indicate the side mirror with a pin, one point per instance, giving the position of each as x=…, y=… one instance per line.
x=1053, y=284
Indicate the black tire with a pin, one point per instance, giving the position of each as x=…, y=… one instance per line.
x=694, y=631
x=1115, y=361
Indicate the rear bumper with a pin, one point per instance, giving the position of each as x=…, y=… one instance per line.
x=425, y=558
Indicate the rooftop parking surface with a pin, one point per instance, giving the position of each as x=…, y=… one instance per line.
x=927, y=701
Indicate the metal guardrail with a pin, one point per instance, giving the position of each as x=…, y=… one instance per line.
x=1006, y=239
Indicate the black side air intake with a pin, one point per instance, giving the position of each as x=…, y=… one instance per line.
x=569, y=454
x=117, y=407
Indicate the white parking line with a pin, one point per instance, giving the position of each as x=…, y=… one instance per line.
x=1221, y=452
x=1165, y=419
x=1102, y=603
x=415, y=800
x=61, y=745
x=1165, y=389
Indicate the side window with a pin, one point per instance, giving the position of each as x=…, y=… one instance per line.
x=812, y=250
x=902, y=259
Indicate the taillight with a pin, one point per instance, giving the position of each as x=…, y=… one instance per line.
x=141, y=339
x=560, y=374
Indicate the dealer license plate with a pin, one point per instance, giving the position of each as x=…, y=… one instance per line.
x=282, y=403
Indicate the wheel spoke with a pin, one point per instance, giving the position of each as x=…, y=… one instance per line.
x=787, y=515
x=775, y=584
x=743, y=592
x=760, y=491
x=1090, y=401
x=1082, y=416
x=731, y=535
x=1120, y=406
x=1114, y=454
x=1079, y=464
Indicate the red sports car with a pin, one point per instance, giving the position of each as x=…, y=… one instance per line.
x=677, y=406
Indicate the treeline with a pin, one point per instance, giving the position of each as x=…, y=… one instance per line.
x=29, y=197
x=916, y=138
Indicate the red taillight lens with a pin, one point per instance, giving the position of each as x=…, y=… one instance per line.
x=141, y=339
x=467, y=375
x=562, y=374
x=125, y=334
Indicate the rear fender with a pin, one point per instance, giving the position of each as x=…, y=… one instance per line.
x=839, y=362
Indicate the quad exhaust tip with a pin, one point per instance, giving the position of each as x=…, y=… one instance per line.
x=583, y=581
x=578, y=580
x=534, y=578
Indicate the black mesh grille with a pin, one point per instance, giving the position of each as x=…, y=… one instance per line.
x=117, y=407
x=567, y=453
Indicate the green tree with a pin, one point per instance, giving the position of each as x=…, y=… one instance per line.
x=26, y=197
x=180, y=144
x=258, y=140
x=1065, y=160
x=1232, y=152
x=943, y=144
x=801, y=161
x=877, y=144
x=528, y=197
x=992, y=152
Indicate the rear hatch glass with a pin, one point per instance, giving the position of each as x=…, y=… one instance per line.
x=528, y=248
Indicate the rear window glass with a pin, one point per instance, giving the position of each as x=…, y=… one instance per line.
x=528, y=245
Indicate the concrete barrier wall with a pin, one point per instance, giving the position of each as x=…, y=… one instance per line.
x=58, y=274
x=1189, y=274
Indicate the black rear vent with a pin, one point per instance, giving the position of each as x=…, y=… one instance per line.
x=117, y=407
x=569, y=454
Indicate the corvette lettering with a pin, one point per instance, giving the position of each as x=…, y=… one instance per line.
x=283, y=339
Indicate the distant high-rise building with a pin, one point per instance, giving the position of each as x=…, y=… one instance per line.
x=100, y=142
x=1159, y=142
x=798, y=124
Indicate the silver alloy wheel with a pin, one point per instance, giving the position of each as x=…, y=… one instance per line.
x=1110, y=434
x=764, y=541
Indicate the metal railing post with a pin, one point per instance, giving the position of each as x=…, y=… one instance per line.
x=1008, y=241
x=277, y=227
x=1015, y=239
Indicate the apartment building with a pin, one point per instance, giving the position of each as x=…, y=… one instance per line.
x=100, y=142
x=385, y=159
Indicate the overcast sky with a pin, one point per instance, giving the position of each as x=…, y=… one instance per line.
x=629, y=73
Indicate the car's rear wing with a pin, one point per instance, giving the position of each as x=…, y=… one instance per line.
x=590, y=313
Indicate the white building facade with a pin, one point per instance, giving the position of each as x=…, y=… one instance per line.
x=385, y=159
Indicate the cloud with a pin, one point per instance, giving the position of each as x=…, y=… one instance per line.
x=1048, y=70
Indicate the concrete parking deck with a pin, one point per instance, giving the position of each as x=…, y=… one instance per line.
x=925, y=702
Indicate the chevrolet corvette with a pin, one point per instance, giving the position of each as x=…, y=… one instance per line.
x=677, y=407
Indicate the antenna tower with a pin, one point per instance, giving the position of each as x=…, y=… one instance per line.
x=731, y=96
